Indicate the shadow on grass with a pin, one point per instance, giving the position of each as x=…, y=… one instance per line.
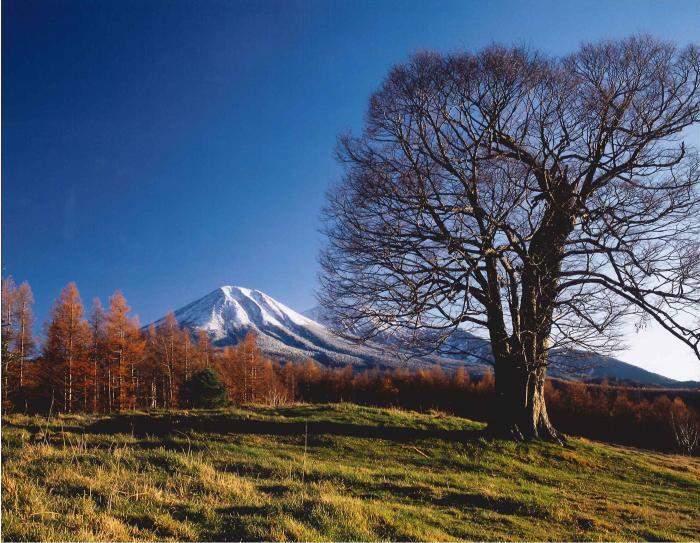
x=501, y=504
x=233, y=526
x=460, y=500
x=147, y=522
x=142, y=425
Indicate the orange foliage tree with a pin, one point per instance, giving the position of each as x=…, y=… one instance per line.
x=125, y=348
x=109, y=364
x=67, y=352
x=17, y=340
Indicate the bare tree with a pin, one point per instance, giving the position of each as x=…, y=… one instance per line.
x=24, y=318
x=545, y=200
x=685, y=430
x=8, y=335
x=17, y=339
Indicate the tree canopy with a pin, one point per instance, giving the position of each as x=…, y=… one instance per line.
x=548, y=201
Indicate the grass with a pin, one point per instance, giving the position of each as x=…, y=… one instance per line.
x=335, y=472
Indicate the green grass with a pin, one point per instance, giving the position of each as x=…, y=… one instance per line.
x=360, y=474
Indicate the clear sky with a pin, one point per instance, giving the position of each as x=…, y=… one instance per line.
x=165, y=148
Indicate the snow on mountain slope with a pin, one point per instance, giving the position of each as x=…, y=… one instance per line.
x=229, y=310
x=229, y=313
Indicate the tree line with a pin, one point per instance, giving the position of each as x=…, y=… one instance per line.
x=102, y=361
x=661, y=419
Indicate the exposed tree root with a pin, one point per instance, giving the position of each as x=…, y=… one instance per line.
x=518, y=432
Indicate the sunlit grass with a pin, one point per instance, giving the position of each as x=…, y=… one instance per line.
x=343, y=473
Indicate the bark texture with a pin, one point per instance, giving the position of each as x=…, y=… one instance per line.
x=520, y=411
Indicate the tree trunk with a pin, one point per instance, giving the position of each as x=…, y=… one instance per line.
x=520, y=411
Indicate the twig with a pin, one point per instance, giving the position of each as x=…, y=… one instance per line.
x=412, y=447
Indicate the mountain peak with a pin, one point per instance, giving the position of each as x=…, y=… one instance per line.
x=229, y=312
x=229, y=289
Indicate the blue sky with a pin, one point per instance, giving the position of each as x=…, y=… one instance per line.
x=165, y=148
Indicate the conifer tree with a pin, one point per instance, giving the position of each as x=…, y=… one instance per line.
x=204, y=389
x=168, y=334
x=126, y=350
x=67, y=348
x=186, y=350
x=24, y=320
x=204, y=348
x=152, y=370
x=98, y=354
x=249, y=356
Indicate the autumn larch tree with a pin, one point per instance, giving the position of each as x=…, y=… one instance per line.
x=546, y=201
x=204, y=349
x=9, y=356
x=125, y=349
x=98, y=356
x=24, y=321
x=225, y=364
x=186, y=350
x=151, y=370
x=17, y=340
x=250, y=357
x=243, y=369
x=23, y=338
x=66, y=356
x=168, y=334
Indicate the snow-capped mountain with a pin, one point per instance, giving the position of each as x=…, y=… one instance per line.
x=229, y=313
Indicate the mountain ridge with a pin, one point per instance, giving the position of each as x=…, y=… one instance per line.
x=229, y=312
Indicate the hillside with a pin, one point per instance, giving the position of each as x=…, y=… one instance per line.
x=337, y=472
x=228, y=313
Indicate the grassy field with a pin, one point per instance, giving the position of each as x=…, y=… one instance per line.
x=337, y=472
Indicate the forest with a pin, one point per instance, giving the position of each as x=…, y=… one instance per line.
x=102, y=361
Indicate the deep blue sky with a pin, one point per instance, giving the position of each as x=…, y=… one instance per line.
x=167, y=148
